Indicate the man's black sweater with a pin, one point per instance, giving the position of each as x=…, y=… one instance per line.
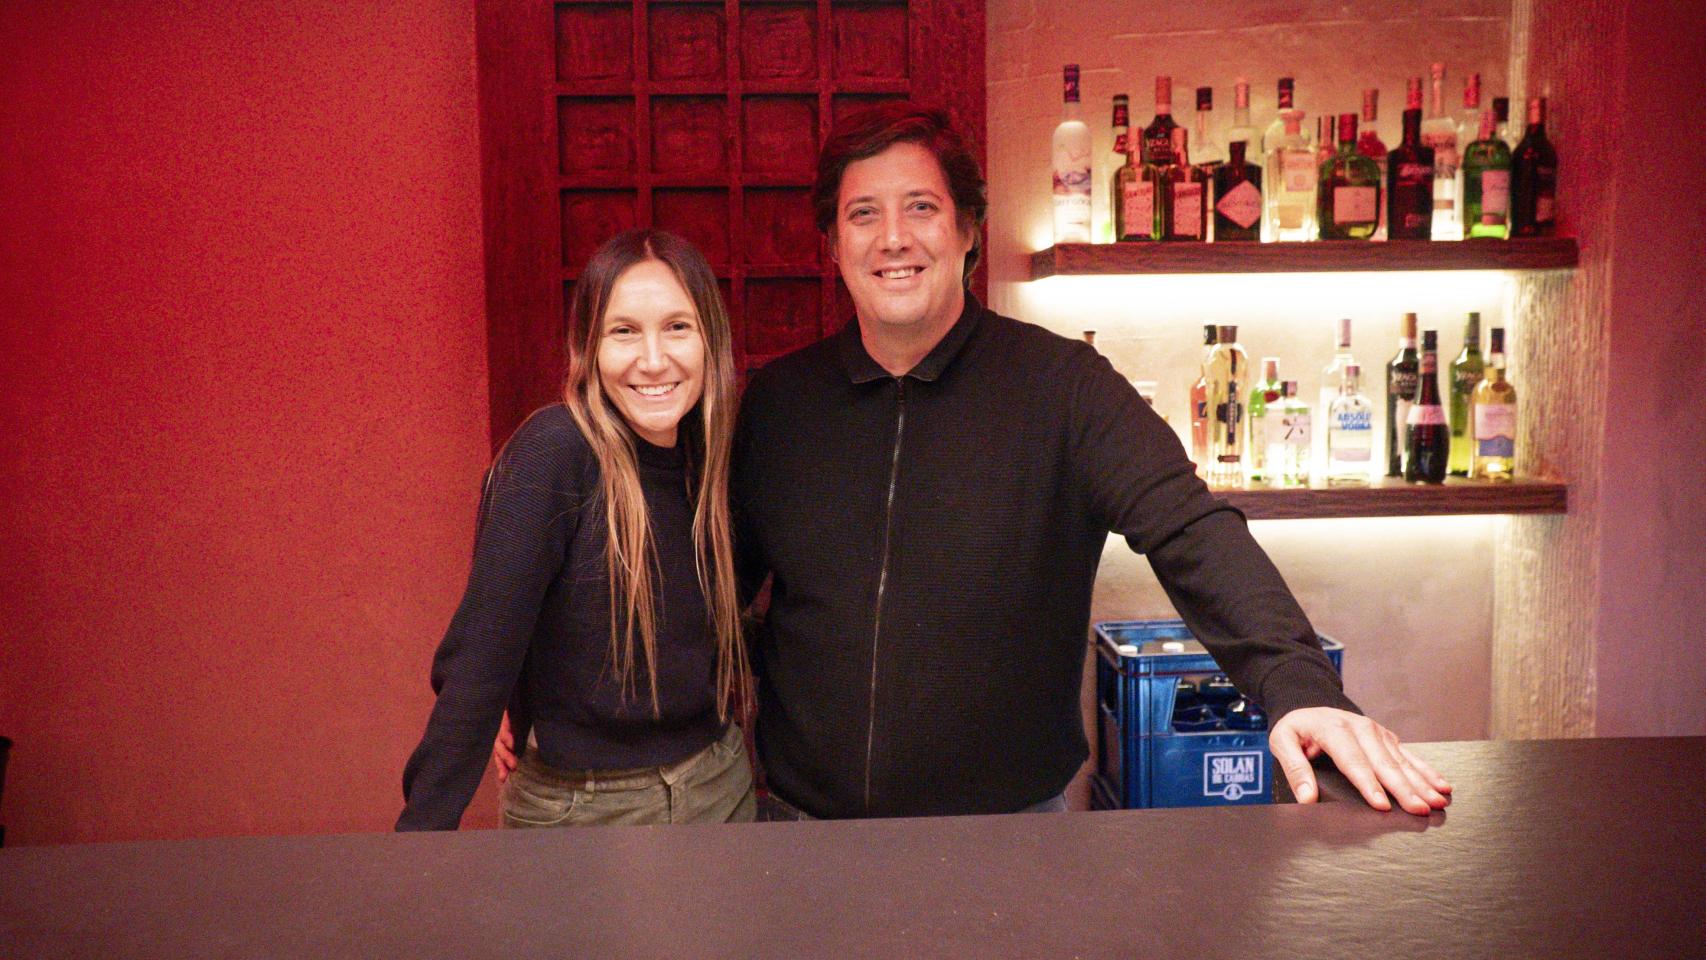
x=533, y=630
x=934, y=541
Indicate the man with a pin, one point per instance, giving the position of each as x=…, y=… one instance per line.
x=930, y=491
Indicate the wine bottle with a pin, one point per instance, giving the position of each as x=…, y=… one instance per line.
x=1465, y=377
x=1534, y=178
x=1071, y=163
x=1494, y=423
x=1401, y=373
x=1238, y=197
x=1429, y=447
x=1349, y=205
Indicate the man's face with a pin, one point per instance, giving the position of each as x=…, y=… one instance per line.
x=899, y=242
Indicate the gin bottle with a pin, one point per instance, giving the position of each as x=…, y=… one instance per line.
x=1291, y=179
x=1238, y=198
x=1465, y=377
x=1276, y=129
x=1439, y=132
x=1071, y=163
x=1288, y=442
x=1502, y=121
x=1486, y=184
x=1350, y=432
x=1241, y=128
x=1204, y=151
x=1228, y=377
x=1117, y=161
x=1494, y=408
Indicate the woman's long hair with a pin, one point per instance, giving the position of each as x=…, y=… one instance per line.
x=707, y=431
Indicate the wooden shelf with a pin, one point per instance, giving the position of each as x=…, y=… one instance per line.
x=1322, y=256
x=1395, y=498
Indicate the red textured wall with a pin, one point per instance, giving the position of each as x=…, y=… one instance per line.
x=243, y=368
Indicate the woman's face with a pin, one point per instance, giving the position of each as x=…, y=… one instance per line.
x=651, y=351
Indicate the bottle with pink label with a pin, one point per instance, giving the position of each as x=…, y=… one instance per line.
x=1349, y=198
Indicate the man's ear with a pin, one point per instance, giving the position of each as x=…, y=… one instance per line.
x=829, y=244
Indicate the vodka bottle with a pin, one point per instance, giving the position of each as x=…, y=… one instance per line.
x=1071, y=164
x=1439, y=132
x=1330, y=381
x=1350, y=432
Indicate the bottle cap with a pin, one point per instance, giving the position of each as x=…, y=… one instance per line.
x=1370, y=104
x=1407, y=328
x=1228, y=333
x=1413, y=93
x=1472, y=91
x=1270, y=368
x=1293, y=120
x=1205, y=98
x=1288, y=388
x=1347, y=128
x=1496, y=340
x=1209, y=334
x=1241, y=94
x=1437, y=71
x=1164, y=94
x=1236, y=150
x=1430, y=339
x=1286, y=90
x=1344, y=333
x=1070, y=74
x=1502, y=109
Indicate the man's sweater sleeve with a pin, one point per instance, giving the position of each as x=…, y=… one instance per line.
x=1141, y=483
x=528, y=513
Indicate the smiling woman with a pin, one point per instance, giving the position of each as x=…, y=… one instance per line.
x=601, y=607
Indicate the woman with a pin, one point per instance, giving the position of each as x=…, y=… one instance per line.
x=601, y=607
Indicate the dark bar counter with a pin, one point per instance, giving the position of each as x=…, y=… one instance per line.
x=1557, y=849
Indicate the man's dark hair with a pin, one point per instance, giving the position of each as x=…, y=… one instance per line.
x=875, y=129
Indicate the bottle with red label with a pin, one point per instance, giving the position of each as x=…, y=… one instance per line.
x=1410, y=177
x=1429, y=445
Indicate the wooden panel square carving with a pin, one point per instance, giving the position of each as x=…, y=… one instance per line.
x=779, y=229
x=686, y=42
x=688, y=136
x=595, y=42
x=781, y=315
x=779, y=136
x=591, y=217
x=779, y=43
x=870, y=42
x=699, y=216
x=595, y=134
x=843, y=105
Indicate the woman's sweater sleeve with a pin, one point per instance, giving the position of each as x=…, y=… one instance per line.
x=527, y=517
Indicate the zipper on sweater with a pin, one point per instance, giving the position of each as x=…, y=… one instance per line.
x=882, y=580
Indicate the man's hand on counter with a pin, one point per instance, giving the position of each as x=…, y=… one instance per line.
x=1369, y=755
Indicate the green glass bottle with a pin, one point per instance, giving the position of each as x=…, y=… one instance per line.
x=1264, y=420
x=1349, y=197
x=1466, y=373
x=1487, y=184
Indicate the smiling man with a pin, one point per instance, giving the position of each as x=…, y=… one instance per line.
x=930, y=491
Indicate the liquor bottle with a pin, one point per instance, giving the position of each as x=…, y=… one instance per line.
x=1409, y=183
x=1465, y=376
x=1486, y=184
x=1184, y=200
x=1350, y=432
x=1291, y=179
x=1116, y=161
x=1241, y=128
x=1204, y=150
x=1325, y=143
x=1264, y=415
x=1502, y=121
x=1439, y=132
x=1371, y=146
x=1136, y=216
x=1071, y=164
x=1330, y=380
x=1401, y=373
x=1349, y=205
x=1199, y=402
x=1276, y=129
x=1158, y=136
x=1429, y=446
x=1288, y=442
x=1469, y=118
x=1238, y=197
x=1228, y=376
x=1534, y=178
x=1494, y=422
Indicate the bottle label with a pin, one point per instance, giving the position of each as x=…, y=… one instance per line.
x=1495, y=429
x=1187, y=209
x=1294, y=429
x=1425, y=415
x=1354, y=205
x=1464, y=379
x=1495, y=196
x=1137, y=203
x=1120, y=144
x=1445, y=154
x=1242, y=204
x=1297, y=171
x=1071, y=180
x=1543, y=209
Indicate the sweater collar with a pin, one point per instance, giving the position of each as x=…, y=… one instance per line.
x=666, y=458
x=861, y=368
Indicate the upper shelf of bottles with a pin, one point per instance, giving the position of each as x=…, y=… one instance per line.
x=1325, y=256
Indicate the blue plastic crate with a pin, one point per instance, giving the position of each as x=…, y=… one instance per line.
x=1145, y=761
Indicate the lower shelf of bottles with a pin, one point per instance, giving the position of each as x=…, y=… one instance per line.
x=1391, y=497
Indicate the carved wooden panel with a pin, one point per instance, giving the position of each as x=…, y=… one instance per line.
x=702, y=117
